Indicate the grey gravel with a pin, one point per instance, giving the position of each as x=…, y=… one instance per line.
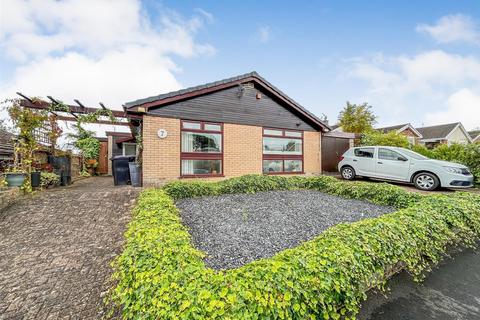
x=239, y=228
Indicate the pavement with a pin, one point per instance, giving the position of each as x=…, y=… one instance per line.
x=450, y=292
x=56, y=248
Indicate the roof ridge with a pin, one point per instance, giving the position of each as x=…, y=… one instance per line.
x=239, y=78
x=439, y=125
x=192, y=88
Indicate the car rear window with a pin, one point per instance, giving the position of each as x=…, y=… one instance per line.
x=364, y=152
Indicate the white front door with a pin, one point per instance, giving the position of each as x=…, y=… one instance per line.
x=391, y=165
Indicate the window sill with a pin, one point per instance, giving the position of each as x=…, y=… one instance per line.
x=280, y=173
x=189, y=176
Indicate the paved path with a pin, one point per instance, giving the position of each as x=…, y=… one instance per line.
x=55, y=250
x=451, y=292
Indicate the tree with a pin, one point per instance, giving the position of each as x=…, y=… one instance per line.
x=357, y=118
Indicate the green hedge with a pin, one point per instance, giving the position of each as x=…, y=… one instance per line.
x=160, y=275
x=466, y=154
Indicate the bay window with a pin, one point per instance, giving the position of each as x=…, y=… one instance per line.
x=201, y=148
x=282, y=151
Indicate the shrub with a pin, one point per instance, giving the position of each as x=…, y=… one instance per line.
x=89, y=146
x=49, y=179
x=160, y=275
x=391, y=138
x=468, y=155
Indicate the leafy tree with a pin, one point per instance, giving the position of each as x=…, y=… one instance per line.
x=377, y=138
x=357, y=118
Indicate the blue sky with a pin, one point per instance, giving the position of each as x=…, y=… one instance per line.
x=415, y=62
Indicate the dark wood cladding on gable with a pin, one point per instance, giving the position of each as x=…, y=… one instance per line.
x=231, y=106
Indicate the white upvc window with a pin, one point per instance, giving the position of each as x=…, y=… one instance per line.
x=129, y=149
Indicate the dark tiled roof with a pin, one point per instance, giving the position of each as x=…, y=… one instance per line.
x=190, y=89
x=474, y=134
x=221, y=82
x=335, y=126
x=437, y=132
x=6, y=143
x=391, y=128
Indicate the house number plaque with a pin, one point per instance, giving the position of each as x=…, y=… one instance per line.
x=162, y=133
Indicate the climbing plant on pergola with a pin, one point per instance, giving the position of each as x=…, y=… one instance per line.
x=55, y=110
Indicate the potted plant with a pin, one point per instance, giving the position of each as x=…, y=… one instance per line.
x=91, y=164
x=15, y=178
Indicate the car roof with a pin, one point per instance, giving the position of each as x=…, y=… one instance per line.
x=391, y=147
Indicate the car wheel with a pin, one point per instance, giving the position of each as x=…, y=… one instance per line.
x=426, y=181
x=348, y=173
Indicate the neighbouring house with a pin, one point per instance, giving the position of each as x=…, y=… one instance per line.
x=6, y=146
x=405, y=129
x=444, y=134
x=336, y=128
x=237, y=126
x=475, y=135
x=6, y=149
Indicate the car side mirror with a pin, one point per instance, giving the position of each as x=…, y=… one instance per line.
x=402, y=159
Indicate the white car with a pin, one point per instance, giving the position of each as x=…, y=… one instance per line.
x=399, y=164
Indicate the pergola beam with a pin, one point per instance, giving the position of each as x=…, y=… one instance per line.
x=74, y=109
x=71, y=119
x=24, y=96
x=79, y=103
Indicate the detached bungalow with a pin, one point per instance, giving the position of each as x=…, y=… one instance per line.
x=444, y=134
x=405, y=129
x=241, y=125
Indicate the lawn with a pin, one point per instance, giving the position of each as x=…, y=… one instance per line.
x=161, y=275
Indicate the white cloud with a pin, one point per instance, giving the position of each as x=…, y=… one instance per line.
x=264, y=34
x=115, y=78
x=208, y=16
x=95, y=49
x=452, y=28
x=463, y=104
x=429, y=88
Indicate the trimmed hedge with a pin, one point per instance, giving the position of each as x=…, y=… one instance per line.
x=160, y=275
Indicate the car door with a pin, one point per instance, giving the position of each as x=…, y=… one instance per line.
x=392, y=165
x=364, y=162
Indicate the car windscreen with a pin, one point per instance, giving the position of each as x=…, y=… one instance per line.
x=413, y=154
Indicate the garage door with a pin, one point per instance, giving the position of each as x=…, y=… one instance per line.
x=332, y=149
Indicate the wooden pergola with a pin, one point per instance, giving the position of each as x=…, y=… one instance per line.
x=72, y=111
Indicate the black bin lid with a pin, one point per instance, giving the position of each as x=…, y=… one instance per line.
x=127, y=158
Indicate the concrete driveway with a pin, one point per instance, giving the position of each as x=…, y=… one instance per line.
x=450, y=292
x=55, y=250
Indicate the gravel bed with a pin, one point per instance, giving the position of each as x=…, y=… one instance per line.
x=236, y=229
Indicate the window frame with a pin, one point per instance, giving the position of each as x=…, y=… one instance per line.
x=198, y=155
x=390, y=150
x=362, y=157
x=129, y=143
x=284, y=157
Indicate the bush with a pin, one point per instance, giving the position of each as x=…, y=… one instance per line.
x=89, y=146
x=49, y=179
x=160, y=275
x=468, y=155
x=391, y=138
